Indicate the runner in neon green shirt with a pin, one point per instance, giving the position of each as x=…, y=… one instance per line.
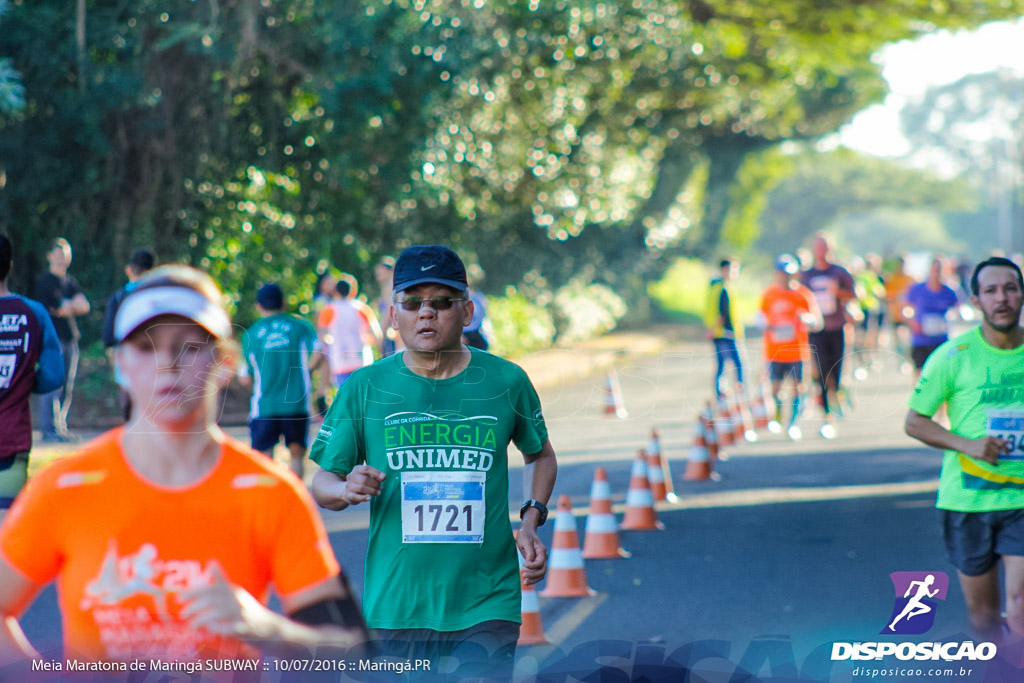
x=979, y=376
x=423, y=436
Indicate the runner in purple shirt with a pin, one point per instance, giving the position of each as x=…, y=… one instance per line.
x=929, y=327
x=30, y=362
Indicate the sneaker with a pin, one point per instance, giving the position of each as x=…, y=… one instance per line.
x=794, y=433
x=54, y=437
x=827, y=431
x=774, y=427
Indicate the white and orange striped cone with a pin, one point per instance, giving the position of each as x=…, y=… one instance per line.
x=710, y=434
x=640, y=514
x=655, y=476
x=744, y=427
x=658, y=471
x=613, y=403
x=759, y=409
x=724, y=425
x=699, y=465
x=601, y=540
x=566, y=576
x=532, y=630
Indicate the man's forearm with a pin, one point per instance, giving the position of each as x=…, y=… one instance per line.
x=328, y=489
x=544, y=472
x=927, y=431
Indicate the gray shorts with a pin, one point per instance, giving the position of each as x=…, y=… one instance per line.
x=976, y=540
x=487, y=650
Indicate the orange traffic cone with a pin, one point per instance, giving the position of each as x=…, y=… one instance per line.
x=699, y=466
x=759, y=409
x=658, y=471
x=601, y=540
x=723, y=425
x=710, y=433
x=566, y=577
x=613, y=404
x=640, y=514
x=532, y=630
x=743, y=429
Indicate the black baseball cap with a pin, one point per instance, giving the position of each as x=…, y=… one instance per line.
x=429, y=263
x=270, y=296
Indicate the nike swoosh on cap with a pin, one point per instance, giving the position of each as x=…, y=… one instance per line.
x=428, y=267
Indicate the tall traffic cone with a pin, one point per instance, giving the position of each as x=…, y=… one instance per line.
x=658, y=472
x=532, y=630
x=566, y=577
x=743, y=429
x=723, y=424
x=759, y=409
x=613, y=403
x=710, y=433
x=640, y=514
x=601, y=540
x=698, y=466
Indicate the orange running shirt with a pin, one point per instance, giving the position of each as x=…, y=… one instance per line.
x=785, y=338
x=896, y=286
x=121, y=548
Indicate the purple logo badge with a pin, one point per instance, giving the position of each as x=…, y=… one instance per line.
x=917, y=594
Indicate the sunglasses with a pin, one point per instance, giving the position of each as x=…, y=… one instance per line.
x=438, y=303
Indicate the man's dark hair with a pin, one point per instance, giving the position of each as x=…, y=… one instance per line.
x=343, y=288
x=6, y=256
x=724, y=263
x=995, y=261
x=141, y=260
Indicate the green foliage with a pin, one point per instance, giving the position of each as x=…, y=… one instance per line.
x=547, y=142
x=681, y=295
x=520, y=326
x=893, y=231
x=586, y=310
x=826, y=188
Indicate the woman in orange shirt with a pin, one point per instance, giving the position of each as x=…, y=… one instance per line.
x=164, y=536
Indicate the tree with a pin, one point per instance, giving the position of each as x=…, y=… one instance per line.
x=827, y=190
x=972, y=128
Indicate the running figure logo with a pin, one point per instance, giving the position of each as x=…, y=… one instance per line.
x=917, y=594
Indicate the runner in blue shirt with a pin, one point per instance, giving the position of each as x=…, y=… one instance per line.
x=931, y=301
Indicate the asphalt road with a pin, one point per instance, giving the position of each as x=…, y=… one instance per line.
x=756, y=574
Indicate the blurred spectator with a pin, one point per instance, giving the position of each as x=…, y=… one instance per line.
x=63, y=298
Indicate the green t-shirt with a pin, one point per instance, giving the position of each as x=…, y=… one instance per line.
x=441, y=553
x=973, y=378
x=276, y=351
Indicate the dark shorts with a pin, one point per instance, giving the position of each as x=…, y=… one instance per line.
x=267, y=431
x=13, y=473
x=976, y=540
x=827, y=348
x=919, y=354
x=487, y=650
x=778, y=371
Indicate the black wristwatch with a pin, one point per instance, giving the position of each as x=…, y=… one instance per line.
x=541, y=507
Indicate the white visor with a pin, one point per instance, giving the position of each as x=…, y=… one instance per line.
x=149, y=303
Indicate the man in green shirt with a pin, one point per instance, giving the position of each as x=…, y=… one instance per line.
x=423, y=436
x=979, y=376
x=280, y=351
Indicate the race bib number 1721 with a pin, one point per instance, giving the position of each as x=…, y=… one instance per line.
x=443, y=507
